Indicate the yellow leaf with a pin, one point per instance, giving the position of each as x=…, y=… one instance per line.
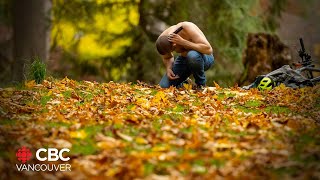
x=195, y=116
x=133, y=108
x=217, y=86
x=141, y=140
x=187, y=86
x=30, y=84
x=112, y=171
x=65, y=79
x=159, y=97
x=143, y=103
x=245, y=123
x=106, y=145
x=281, y=86
x=160, y=148
x=215, y=97
x=7, y=93
x=49, y=93
x=78, y=134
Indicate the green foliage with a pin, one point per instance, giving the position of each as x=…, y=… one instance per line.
x=67, y=94
x=37, y=70
x=275, y=10
x=8, y=122
x=44, y=100
x=148, y=168
x=94, y=29
x=87, y=145
x=278, y=109
x=253, y=103
x=84, y=147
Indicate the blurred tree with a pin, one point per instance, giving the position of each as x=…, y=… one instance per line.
x=5, y=42
x=31, y=26
x=96, y=34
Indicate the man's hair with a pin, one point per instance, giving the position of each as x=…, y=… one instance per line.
x=164, y=46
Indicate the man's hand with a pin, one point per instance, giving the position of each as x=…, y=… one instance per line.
x=171, y=75
x=197, y=42
x=176, y=39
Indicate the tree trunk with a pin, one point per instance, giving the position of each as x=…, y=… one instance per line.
x=31, y=24
x=264, y=53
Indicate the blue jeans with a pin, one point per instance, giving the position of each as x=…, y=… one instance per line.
x=195, y=63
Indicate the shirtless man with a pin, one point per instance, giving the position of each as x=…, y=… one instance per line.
x=195, y=55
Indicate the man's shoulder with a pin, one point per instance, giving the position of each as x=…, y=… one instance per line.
x=186, y=24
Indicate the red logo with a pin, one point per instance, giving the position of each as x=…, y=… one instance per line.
x=23, y=154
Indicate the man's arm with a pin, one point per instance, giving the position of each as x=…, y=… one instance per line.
x=168, y=60
x=202, y=48
x=199, y=42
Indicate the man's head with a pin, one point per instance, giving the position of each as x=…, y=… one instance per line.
x=164, y=46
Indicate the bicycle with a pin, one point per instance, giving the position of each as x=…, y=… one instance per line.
x=305, y=66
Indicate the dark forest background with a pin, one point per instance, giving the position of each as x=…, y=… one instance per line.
x=104, y=40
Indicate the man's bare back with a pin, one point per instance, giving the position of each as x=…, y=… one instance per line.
x=189, y=38
x=195, y=54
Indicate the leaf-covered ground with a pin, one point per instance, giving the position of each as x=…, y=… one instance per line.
x=126, y=131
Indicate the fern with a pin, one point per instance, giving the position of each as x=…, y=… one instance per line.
x=38, y=70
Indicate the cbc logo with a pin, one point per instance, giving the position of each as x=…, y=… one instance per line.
x=24, y=154
x=53, y=154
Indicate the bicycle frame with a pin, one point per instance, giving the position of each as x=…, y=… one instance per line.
x=306, y=64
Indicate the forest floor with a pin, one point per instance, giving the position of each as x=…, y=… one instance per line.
x=134, y=130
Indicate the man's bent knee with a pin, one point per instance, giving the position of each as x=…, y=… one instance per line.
x=194, y=55
x=195, y=60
